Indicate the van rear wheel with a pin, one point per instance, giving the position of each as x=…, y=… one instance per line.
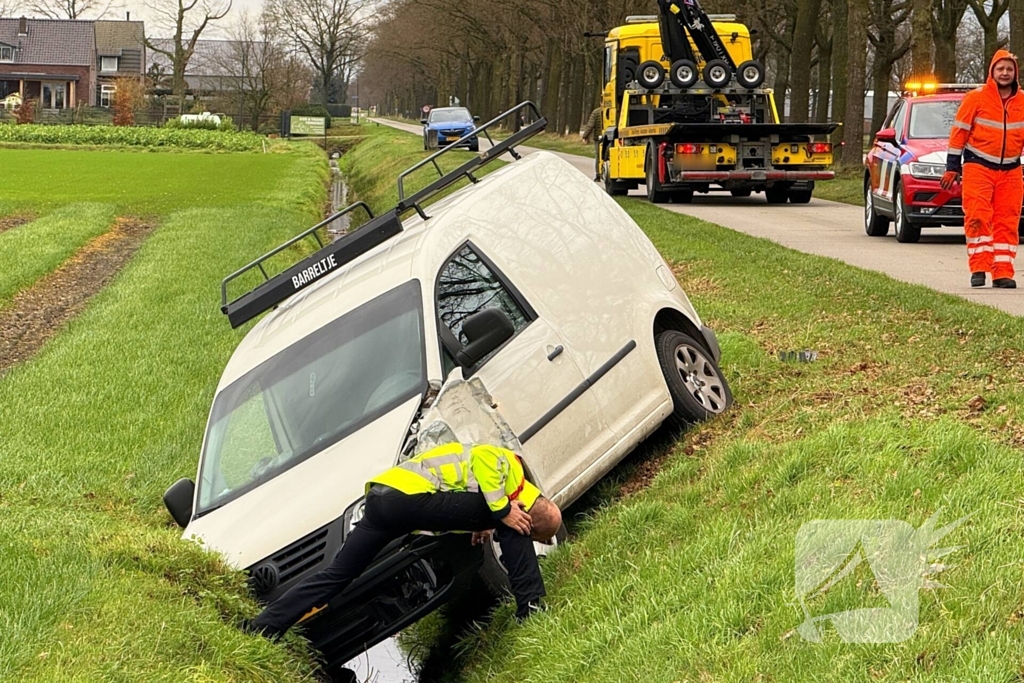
x=699, y=389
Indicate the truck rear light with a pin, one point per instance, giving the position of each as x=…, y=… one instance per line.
x=689, y=148
x=820, y=148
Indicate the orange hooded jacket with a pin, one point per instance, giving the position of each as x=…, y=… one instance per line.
x=987, y=130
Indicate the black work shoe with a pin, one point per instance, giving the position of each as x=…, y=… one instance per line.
x=249, y=626
x=531, y=608
x=978, y=280
x=598, y=179
x=1005, y=283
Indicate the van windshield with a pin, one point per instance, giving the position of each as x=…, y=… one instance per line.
x=313, y=394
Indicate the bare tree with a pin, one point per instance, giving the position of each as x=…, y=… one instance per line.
x=989, y=18
x=1017, y=27
x=853, y=122
x=887, y=17
x=329, y=33
x=65, y=9
x=946, y=18
x=921, y=41
x=8, y=8
x=185, y=20
x=800, y=69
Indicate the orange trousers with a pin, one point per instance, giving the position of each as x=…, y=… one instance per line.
x=992, y=203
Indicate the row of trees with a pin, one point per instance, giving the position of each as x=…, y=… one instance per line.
x=823, y=56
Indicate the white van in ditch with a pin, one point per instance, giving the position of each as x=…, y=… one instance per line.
x=531, y=283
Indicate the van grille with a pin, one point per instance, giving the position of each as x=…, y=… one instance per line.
x=301, y=555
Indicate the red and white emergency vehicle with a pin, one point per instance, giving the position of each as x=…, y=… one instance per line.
x=906, y=161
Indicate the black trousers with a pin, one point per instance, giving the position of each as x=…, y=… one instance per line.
x=391, y=514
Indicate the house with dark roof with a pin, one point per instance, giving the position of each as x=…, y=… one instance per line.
x=63, y=63
x=215, y=66
x=51, y=61
x=120, y=53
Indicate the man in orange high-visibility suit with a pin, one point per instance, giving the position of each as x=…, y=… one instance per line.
x=985, y=145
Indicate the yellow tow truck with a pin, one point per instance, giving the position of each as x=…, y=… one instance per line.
x=684, y=111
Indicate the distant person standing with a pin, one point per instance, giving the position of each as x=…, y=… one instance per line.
x=594, y=129
x=985, y=146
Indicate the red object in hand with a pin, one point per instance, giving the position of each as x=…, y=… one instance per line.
x=949, y=179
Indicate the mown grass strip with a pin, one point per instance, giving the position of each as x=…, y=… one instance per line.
x=915, y=404
x=33, y=250
x=97, y=584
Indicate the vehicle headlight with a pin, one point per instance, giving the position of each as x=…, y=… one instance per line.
x=929, y=171
x=352, y=515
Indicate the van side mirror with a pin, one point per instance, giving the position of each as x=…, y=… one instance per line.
x=485, y=331
x=423, y=121
x=178, y=500
x=886, y=135
x=476, y=118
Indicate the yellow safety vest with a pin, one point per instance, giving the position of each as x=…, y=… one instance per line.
x=495, y=472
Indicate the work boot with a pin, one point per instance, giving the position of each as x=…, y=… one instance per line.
x=249, y=626
x=531, y=608
x=1005, y=283
x=978, y=280
x=598, y=179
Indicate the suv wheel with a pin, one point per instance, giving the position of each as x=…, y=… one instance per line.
x=905, y=230
x=874, y=225
x=698, y=387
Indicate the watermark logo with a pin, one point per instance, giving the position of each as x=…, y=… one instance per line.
x=835, y=557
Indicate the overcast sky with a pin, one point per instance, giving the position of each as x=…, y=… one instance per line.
x=139, y=12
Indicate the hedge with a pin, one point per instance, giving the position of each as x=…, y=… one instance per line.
x=132, y=136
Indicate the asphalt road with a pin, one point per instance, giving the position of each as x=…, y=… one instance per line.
x=834, y=230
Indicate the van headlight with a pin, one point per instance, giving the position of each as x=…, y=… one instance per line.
x=352, y=515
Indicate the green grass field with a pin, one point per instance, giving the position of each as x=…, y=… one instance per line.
x=137, y=182
x=847, y=187
x=913, y=406
x=97, y=585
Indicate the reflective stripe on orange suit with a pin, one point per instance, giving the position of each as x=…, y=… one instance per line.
x=992, y=202
x=989, y=134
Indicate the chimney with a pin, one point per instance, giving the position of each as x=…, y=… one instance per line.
x=23, y=26
x=127, y=16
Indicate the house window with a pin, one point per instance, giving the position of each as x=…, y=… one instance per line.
x=108, y=63
x=6, y=53
x=107, y=94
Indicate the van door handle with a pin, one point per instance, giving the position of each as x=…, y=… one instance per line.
x=555, y=352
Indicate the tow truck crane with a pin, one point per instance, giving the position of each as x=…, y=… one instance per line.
x=709, y=123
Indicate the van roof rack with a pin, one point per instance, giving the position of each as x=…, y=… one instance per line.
x=378, y=230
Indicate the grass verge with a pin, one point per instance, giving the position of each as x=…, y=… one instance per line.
x=97, y=585
x=847, y=187
x=913, y=406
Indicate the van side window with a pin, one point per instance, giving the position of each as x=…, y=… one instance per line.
x=469, y=283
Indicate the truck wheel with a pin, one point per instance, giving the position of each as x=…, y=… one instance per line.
x=650, y=74
x=800, y=196
x=493, y=572
x=740, y=193
x=906, y=231
x=682, y=197
x=683, y=73
x=750, y=74
x=698, y=387
x=776, y=195
x=655, y=195
x=615, y=188
x=717, y=73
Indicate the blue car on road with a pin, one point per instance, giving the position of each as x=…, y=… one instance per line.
x=449, y=124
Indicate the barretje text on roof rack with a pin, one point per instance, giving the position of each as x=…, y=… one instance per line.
x=306, y=276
